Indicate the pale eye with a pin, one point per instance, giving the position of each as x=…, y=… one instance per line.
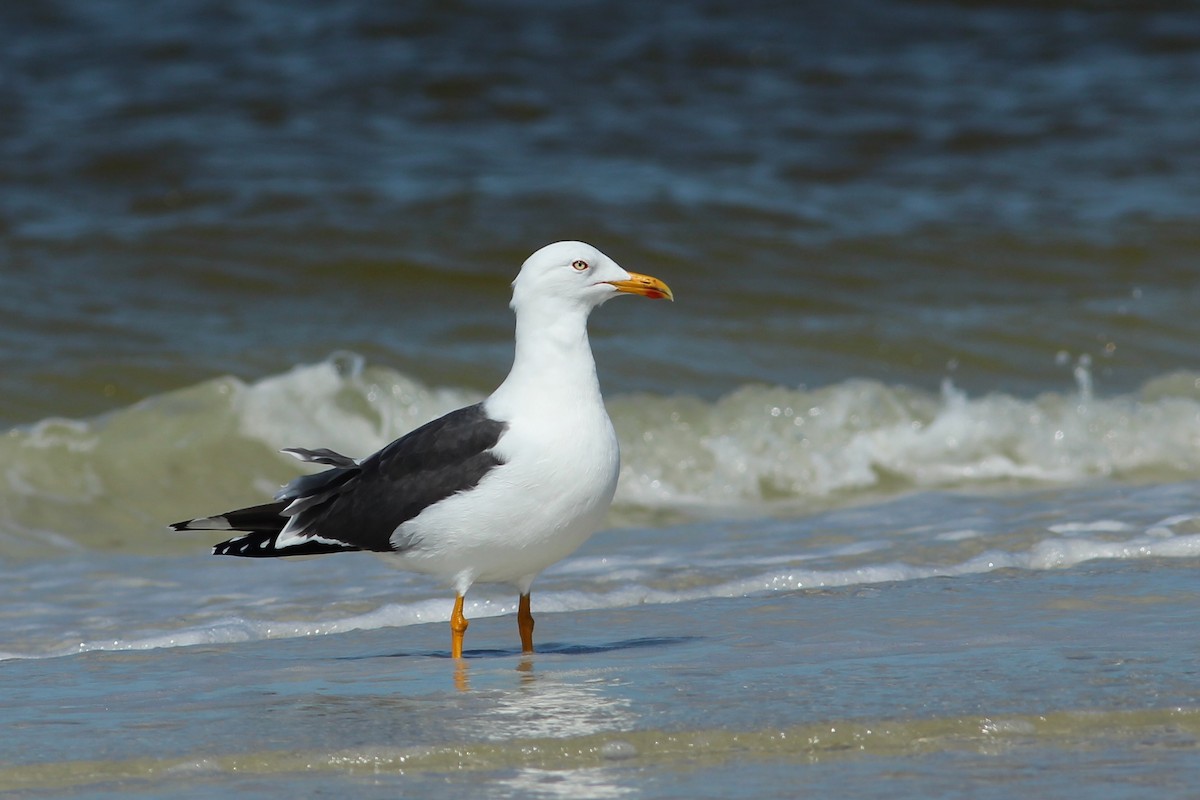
x=579, y=265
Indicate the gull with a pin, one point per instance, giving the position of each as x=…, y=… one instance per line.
x=494, y=492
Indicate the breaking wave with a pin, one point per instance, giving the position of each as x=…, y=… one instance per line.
x=113, y=482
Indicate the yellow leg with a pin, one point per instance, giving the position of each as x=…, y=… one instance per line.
x=525, y=624
x=458, y=626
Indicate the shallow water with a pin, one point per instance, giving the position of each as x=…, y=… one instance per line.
x=908, y=503
x=1034, y=641
x=1055, y=682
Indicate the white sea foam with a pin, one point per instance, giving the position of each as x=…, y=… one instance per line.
x=662, y=574
x=112, y=482
x=762, y=445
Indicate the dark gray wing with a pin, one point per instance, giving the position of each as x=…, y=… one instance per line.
x=361, y=504
x=358, y=505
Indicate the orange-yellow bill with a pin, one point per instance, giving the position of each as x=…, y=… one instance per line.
x=646, y=286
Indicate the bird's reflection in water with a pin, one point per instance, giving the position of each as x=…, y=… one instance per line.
x=462, y=679
x=525, y=667
x=546, y=704
x=591, y=782
x=562, y=705
x=462, y=673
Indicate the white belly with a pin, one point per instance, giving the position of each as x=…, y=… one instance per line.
x=550, y=494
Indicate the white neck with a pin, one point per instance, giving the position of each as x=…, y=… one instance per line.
x=552, y=366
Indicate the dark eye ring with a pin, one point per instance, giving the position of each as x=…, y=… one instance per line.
x=579, y=265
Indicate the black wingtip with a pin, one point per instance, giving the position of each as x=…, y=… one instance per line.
x=218, y=523
x=250, y=544
x=225, y=549
x=263, y=545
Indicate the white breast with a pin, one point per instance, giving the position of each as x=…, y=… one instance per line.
x=551, y=492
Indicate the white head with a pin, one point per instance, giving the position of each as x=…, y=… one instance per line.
x=575, y=275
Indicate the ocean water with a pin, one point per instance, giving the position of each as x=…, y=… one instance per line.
x=910, y=494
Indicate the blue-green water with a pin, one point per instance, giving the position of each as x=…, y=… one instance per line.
x=908, y=504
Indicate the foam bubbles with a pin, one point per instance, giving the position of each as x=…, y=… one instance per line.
x=114, y=481
x=765, y=445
